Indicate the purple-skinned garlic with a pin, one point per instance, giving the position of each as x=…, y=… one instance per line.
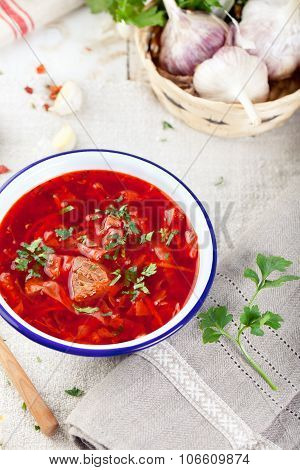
x=274, y=28
x=189, y=38
x=231, y=76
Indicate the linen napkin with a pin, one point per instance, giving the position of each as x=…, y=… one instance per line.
x=19, y=17
x=182, y=394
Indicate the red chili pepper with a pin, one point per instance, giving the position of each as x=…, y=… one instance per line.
x=41, y=69
x=28, y=90
x=3, y=169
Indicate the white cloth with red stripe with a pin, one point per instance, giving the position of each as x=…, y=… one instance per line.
x=19, y=17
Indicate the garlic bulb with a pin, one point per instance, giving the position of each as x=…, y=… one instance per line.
x=189, y=38
x=65, y=139
x=274, y=28
x=68, y=100
x=233, y=75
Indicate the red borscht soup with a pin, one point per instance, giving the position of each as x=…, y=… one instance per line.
x=97, y=257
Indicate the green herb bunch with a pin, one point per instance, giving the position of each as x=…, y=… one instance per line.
x=214, y=322
x=137, y=13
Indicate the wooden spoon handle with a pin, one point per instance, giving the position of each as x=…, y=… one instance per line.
x=35, y=404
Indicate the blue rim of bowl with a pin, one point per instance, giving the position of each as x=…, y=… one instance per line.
x=76, y=350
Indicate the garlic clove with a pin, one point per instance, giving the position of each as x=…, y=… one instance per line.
x=189, y=38
x=68, y=100
x=274, y=28
x=65, y=139
x=233, y=75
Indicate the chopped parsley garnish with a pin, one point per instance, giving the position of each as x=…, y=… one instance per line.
x=149, y=270
x=117, y=277
x=85, y=241
x=66, y=209
x=37, y=427
x=166, y=125
x=24, y=406
x=167, y=236
x=117, y=240
x=121, y=213
x=146, y=237
x=90, y=310
x=64, y=233
x=138, y=282
x=31, y=256
x=86, y=309
x=75, y=392
x=132, y=228
x=32, y=273
x=171, y=236
x=120, y=198
x=163, y=234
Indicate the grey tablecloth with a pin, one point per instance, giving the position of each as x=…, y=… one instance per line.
x=181, y=394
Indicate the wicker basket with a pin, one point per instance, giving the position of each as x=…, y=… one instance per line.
x=222, y=119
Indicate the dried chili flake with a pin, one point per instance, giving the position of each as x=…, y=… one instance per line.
x=54, y=90
x=46, y=106
x=41, y=69
x=3, y=169
x=28, y=90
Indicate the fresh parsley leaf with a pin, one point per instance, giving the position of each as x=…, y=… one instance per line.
x=250, y=274
x=166, y=125
x=146, y=237
x=86, y=309
x=171, y=236
x=21, y=264
x=281, y=280
x=32, y=273
x=33, y=246
x=149, y=270
x=75, y=392
x=130, y=275
x=130, y=11
x=132, y=228
x=64, y=233
x=24, y=406
x=163, y=234
x=148, y=17
x=252, y=318
x=118, y=240
x=118, y=276
x=210, y=336
x=269, y=264
x=141, y=286
x=212, y=323
x=219, y=181
x=120, y=198
x=37, y=428
x=66, y=209
x=215, y=317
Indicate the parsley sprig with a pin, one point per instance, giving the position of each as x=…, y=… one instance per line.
x=214, y=322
